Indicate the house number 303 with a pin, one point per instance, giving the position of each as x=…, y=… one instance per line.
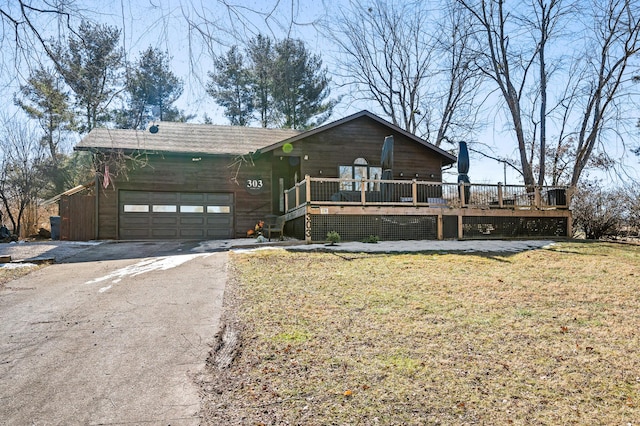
x=255, y=185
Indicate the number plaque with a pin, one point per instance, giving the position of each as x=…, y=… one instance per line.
x=255, y=185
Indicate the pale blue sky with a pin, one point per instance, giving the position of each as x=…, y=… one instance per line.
x=163, y=24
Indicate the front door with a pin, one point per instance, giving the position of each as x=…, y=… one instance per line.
x=286, y=173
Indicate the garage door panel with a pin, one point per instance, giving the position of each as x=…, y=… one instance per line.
x=192, y=221
x=192, y=198
x=134, y=196
x=164, y=221
x=164, y=233
x=130, y=220
x=170, y=215
x=164, y=197
x=224, y=199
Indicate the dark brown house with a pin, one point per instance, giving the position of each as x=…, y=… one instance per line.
x=195, y=181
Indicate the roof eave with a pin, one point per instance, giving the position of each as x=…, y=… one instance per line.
x=95, y=149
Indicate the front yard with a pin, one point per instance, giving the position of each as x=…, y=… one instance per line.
x=542, y=337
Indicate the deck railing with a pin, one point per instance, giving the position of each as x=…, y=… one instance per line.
x=375, y=192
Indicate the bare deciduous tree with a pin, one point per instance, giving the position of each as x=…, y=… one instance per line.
x=26, y=29
x=21, y=159
x=401, y=57
x=616, y=40
x=591, y=44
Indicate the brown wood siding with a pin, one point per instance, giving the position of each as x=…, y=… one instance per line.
x=180, y=173
x=327, y=150
x=77, y=217
x=363, y=138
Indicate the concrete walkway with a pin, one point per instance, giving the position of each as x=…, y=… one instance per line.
x=63, y=251
x=453, y=246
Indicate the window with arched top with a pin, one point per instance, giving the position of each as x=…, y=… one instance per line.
x=353, y=175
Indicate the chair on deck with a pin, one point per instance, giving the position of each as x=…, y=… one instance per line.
x=274, y=225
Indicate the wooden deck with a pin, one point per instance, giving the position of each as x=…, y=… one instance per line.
x=412, y=209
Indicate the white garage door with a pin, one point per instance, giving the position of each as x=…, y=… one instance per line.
x=175, y=215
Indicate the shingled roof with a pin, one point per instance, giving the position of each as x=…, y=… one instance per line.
x=186, y=138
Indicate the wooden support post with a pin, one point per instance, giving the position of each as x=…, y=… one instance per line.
x=307, y=226
x=500, y=196
x=461, y=194
x=307, y=180
x=363, y=192
x=286, y=201
x=460, y=230
x=297, y=194
x=536, y=198
x=440, y=227
x=414, y=192
x=569, y=195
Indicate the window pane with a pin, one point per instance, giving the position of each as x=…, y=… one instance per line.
x=164, y=209
x=346, y=172
x=191, y=209
x=359, y=173
x=375, y=173
x=360, y=161
x=136, y=208
x=218, y=209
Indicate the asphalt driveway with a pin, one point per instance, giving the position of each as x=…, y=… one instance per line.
x=114, y=335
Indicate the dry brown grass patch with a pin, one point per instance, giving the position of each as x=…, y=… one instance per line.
x=10, y=274
x=542, y=337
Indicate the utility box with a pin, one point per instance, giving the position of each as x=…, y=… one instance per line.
x=55, y=227
x=557, y=197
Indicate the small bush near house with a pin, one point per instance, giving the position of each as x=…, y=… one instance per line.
x=333, y=237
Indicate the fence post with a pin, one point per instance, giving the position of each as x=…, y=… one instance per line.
x=569, y=195
x=363, y=191
x=536, y=198
x=500, y=197
x=307, y=226
x=461, y=194
x=307, y=180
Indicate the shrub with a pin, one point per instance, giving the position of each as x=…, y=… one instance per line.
x=599, y=212
x=333, y=237
x=371, y=239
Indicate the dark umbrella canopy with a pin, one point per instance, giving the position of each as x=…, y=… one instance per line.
x=387, y=154
x=463, y=159
x=386, y=162
x=463, y=169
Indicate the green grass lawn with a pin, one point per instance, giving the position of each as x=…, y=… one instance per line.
x=542, y=337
